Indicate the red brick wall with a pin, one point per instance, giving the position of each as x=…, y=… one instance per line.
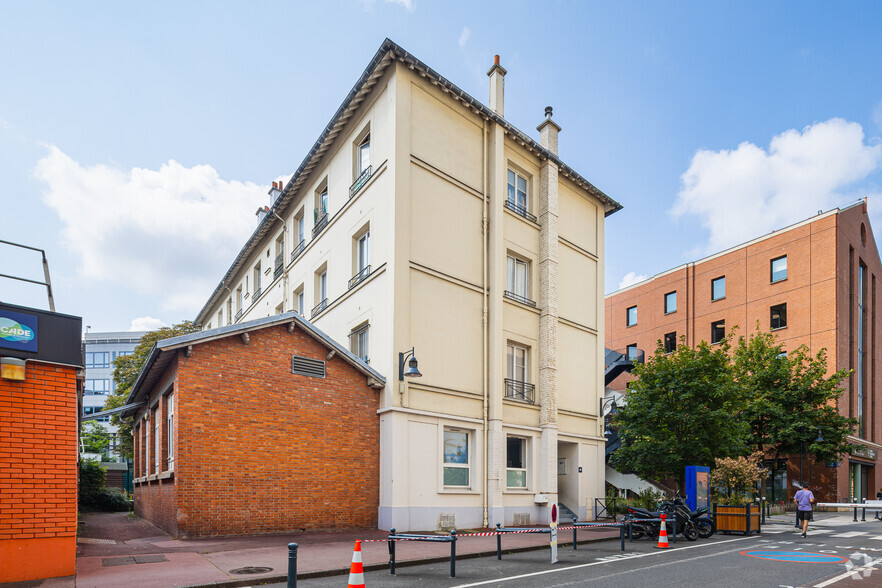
x=261, y=450
x=38, y=474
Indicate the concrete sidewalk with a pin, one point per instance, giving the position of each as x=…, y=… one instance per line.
x=115, y=551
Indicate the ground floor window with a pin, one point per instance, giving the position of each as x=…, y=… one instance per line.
x=516, y=462
x=456, y=458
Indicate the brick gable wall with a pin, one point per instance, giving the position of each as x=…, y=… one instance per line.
x=261, y=450
x=38, y=474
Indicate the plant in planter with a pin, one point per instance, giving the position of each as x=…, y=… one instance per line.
x=736, y=476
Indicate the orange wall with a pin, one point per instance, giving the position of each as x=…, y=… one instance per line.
x=38, y=474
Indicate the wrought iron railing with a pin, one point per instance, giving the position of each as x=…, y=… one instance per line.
x=279, y=265
x=239, y=314
x=320, y=224
x=360, y=276
x=518, y=209
x=519, y=298
x=519, y=390
x=256, y=295
x=319, y=307
x=360, y=181
x=298, y=250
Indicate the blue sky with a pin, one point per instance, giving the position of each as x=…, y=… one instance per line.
x=137, y=139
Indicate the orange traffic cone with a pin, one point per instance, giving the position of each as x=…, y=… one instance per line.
x=356, y=571
x=662, y=535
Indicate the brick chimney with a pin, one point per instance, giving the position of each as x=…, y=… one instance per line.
x=548, y=131
x=275, y=192
x=497, y=87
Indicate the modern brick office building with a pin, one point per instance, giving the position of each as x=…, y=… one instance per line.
x=812, y=283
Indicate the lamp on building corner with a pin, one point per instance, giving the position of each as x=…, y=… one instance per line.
x=412, y=371
x=12, y=368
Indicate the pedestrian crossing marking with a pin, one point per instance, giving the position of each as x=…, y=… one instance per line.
x=850, y=534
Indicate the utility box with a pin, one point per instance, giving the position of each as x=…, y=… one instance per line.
x=697, y=487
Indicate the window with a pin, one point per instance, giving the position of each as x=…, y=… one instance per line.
x=299, y=235
x=157, y=438
x=87, y=410
x=170, y=428
x=670, y=342
x=718, y=331
x=364, y=155
x=631, y=316
x=321, y=290
x=220, y=318
x=778, y=316
x=718, y=288
x=230, y=310
x=256, y=283
x=517, y=363
x=121, y=353
x=238, y=302
x=518, y=280
x=456, y=458
x=631, y=352
x=299, y=299
x=323, y=285
x=361, y=258
x=279, y=262
x=670, y=302
x=98, y=359
x=301, y=228
x=779, y=269
x=359, y=339
x=516, y=462
x=517, y=190
x=97, y=386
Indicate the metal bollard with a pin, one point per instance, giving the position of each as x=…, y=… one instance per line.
x=292, y=565
x=453, y=554
x=498, y=543
x=574, y=532
x=391, y=552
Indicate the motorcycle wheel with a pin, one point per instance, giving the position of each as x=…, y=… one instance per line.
x=690, y=531
x=637, y=531
x=706, y=527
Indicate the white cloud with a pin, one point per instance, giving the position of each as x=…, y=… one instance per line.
x=742, y=194
x=406, y=3
x=169, y=232
x=464, y=36
x=146, y=323
x=630, y=279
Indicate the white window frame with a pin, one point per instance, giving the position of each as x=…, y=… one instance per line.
x=147, y=446
x=457, y=465
x=170, y=429
x=363, y=155
x=300, y=296
x=514, y=181
x=363, y=253
x=514, y=368
x=518, y=276
x=323, y=285
x=359, y=341
x=157, y=441
x=525, y=452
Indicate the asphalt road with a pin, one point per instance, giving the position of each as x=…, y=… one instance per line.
x=837, y=554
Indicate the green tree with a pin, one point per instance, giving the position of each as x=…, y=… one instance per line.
x=125, y=371
x=682, y=408
x=95, y=438
x=791, y=402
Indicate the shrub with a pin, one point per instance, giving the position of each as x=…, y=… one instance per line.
x=92, y=478
x=112, y=500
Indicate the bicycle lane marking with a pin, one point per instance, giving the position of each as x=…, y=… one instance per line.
x=598, y=563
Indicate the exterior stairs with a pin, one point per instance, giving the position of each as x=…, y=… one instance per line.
x=564, y=514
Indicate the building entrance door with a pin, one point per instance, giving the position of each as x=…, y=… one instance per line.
x=859, y=481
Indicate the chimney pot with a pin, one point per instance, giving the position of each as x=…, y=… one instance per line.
x=548, y=111
x=548, y=131
x=495, y=60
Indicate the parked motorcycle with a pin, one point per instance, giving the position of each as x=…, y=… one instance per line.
x=703, y=521
x=640, y=525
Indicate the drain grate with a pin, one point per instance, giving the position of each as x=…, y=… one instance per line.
x=251, y=570
x=93, y=541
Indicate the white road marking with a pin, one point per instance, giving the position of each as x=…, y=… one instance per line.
x=850, y=534
x=877, y=537
x=597, y=563
x=868, y=567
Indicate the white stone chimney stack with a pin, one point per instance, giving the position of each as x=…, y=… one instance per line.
x=548, y=131
x=497, y=87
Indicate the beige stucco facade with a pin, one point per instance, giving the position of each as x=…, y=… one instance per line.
x=440, y=239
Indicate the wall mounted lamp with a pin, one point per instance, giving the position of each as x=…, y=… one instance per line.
x=412, y=371
x=12, y=368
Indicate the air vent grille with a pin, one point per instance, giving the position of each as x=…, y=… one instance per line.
x=305, y=366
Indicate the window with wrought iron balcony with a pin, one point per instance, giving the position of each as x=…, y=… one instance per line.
x=516, y=385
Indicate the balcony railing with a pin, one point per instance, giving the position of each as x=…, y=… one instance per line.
x=360, y=181
x=360, y=276
x=239, y=314
x=319, y=307
x=320, y=224
x=518, y=390
x=256, y=295
x=519, y=298
x=298, y=250
x=279, y=265
x=518, y=209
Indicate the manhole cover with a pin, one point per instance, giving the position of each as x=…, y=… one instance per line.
x=93, y=541
x=251, y=570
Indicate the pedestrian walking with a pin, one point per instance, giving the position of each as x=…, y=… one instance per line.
x=804, y=500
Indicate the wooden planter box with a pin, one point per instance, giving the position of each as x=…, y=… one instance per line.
x=737, y=518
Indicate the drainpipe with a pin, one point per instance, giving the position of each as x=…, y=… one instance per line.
x=284, y=263
x=485, y=221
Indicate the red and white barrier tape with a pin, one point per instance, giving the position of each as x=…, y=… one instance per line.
x=491, y=533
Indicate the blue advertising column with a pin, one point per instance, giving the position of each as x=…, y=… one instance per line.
x=697, y=486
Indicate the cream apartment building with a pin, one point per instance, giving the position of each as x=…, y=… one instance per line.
x=423, y=220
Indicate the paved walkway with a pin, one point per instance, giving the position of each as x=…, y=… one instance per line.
x=115, y=551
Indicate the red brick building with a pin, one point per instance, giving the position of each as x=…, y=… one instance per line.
x=267, y=426
x=812, y=283
x=38, y=443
